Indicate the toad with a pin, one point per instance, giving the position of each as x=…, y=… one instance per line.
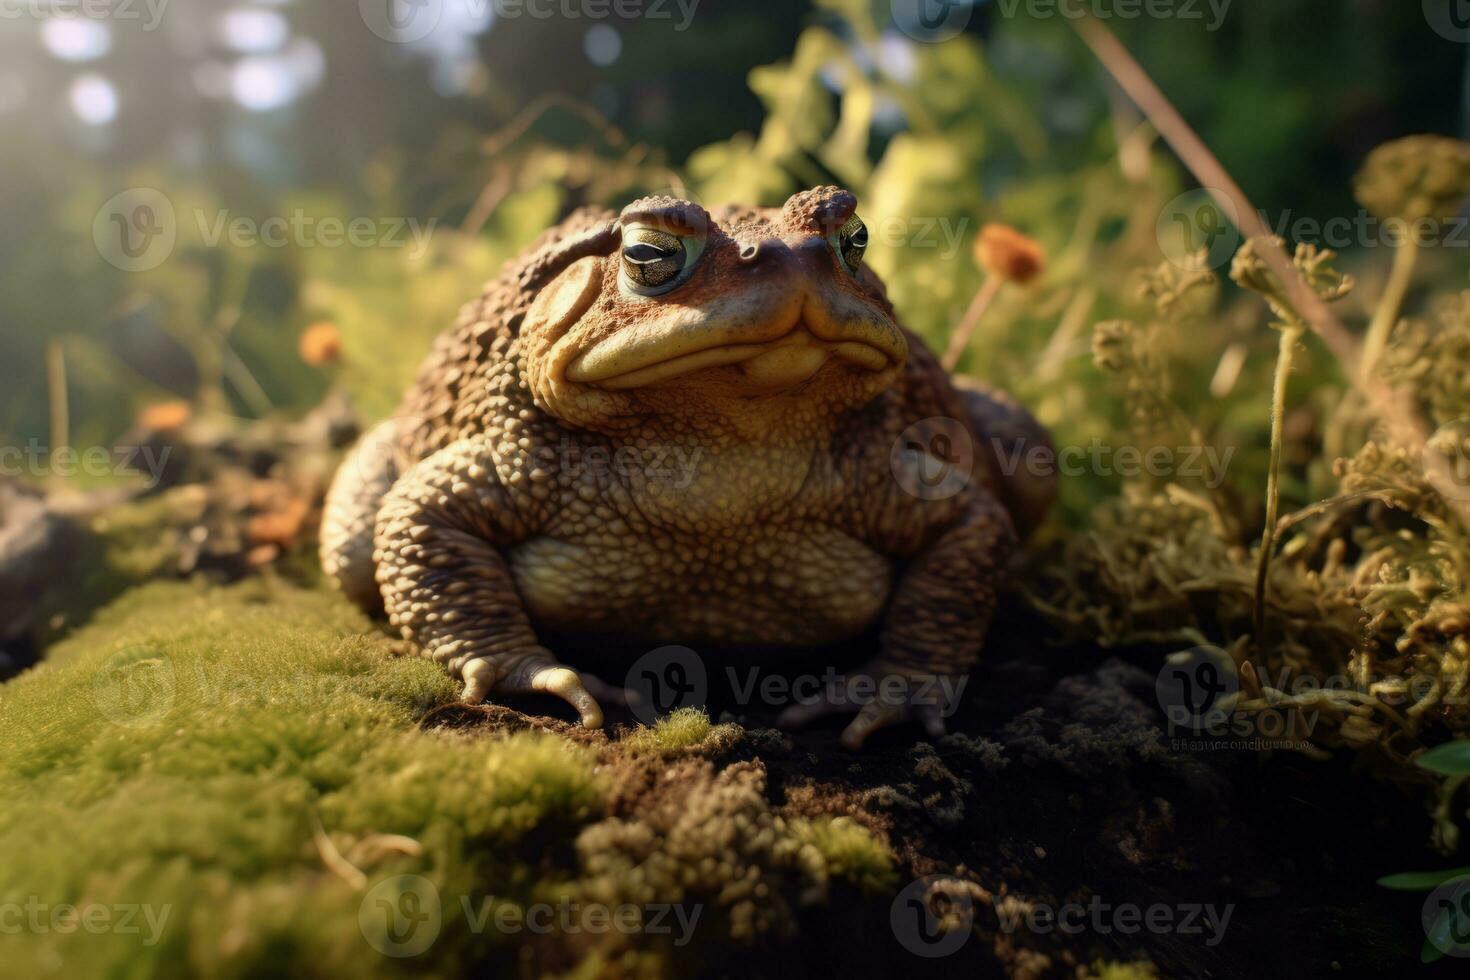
x=709, y=429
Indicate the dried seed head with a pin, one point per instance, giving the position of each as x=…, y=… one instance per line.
x=320, y=344
x=1003, y=251
x=1415, y=178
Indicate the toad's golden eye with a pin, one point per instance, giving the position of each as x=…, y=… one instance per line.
x=852, y=242
x=652, y=258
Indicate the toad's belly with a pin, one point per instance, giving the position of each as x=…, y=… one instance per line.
x=799, y=589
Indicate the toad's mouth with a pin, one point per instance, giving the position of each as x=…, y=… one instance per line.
x=788, y=360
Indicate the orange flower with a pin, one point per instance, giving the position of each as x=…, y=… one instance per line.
x=1003, y=251
x=320, y=344
x=165, y=416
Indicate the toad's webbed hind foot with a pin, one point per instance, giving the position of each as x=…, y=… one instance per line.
x=881, y=697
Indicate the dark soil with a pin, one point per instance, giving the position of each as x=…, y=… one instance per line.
x=1058, y=784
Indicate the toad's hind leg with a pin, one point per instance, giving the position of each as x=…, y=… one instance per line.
x=1017, y=447
x=350, y=514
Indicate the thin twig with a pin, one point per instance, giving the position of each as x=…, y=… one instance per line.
x=1059, y=348
x=494, y=191
x=959, y=341
x=231, y=365
x=1395, y=407
x=540, y=106
x=1290, y=335
x=57, y=395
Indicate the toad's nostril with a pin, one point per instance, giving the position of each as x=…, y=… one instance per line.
x=750, y=253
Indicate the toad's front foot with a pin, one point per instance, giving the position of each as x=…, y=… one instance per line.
x=536, y=672
x=881, y=696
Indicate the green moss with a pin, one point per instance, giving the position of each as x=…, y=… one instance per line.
x=245, y=773
x=849, y=850
x=685, y=728
x=178, y=754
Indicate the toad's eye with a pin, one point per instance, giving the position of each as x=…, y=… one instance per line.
x=851, y=242
x=652, y=259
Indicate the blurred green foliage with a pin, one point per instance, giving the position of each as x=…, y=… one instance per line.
x=1012, y=121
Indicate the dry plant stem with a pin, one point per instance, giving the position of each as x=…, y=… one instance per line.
x=960, y=339
x=333, y=859
x=497, y=189
x=1395, y=407
x=231, y=366
x=1405, y=258
x=1059, y=347
x=505, y=136
x=57, y=394
x=1289, y=338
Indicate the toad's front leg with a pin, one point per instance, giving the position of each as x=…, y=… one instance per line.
x=932, y=633
x=448, y=589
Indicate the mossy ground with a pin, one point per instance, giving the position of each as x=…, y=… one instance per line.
x=258, y=767
x=246, y=763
